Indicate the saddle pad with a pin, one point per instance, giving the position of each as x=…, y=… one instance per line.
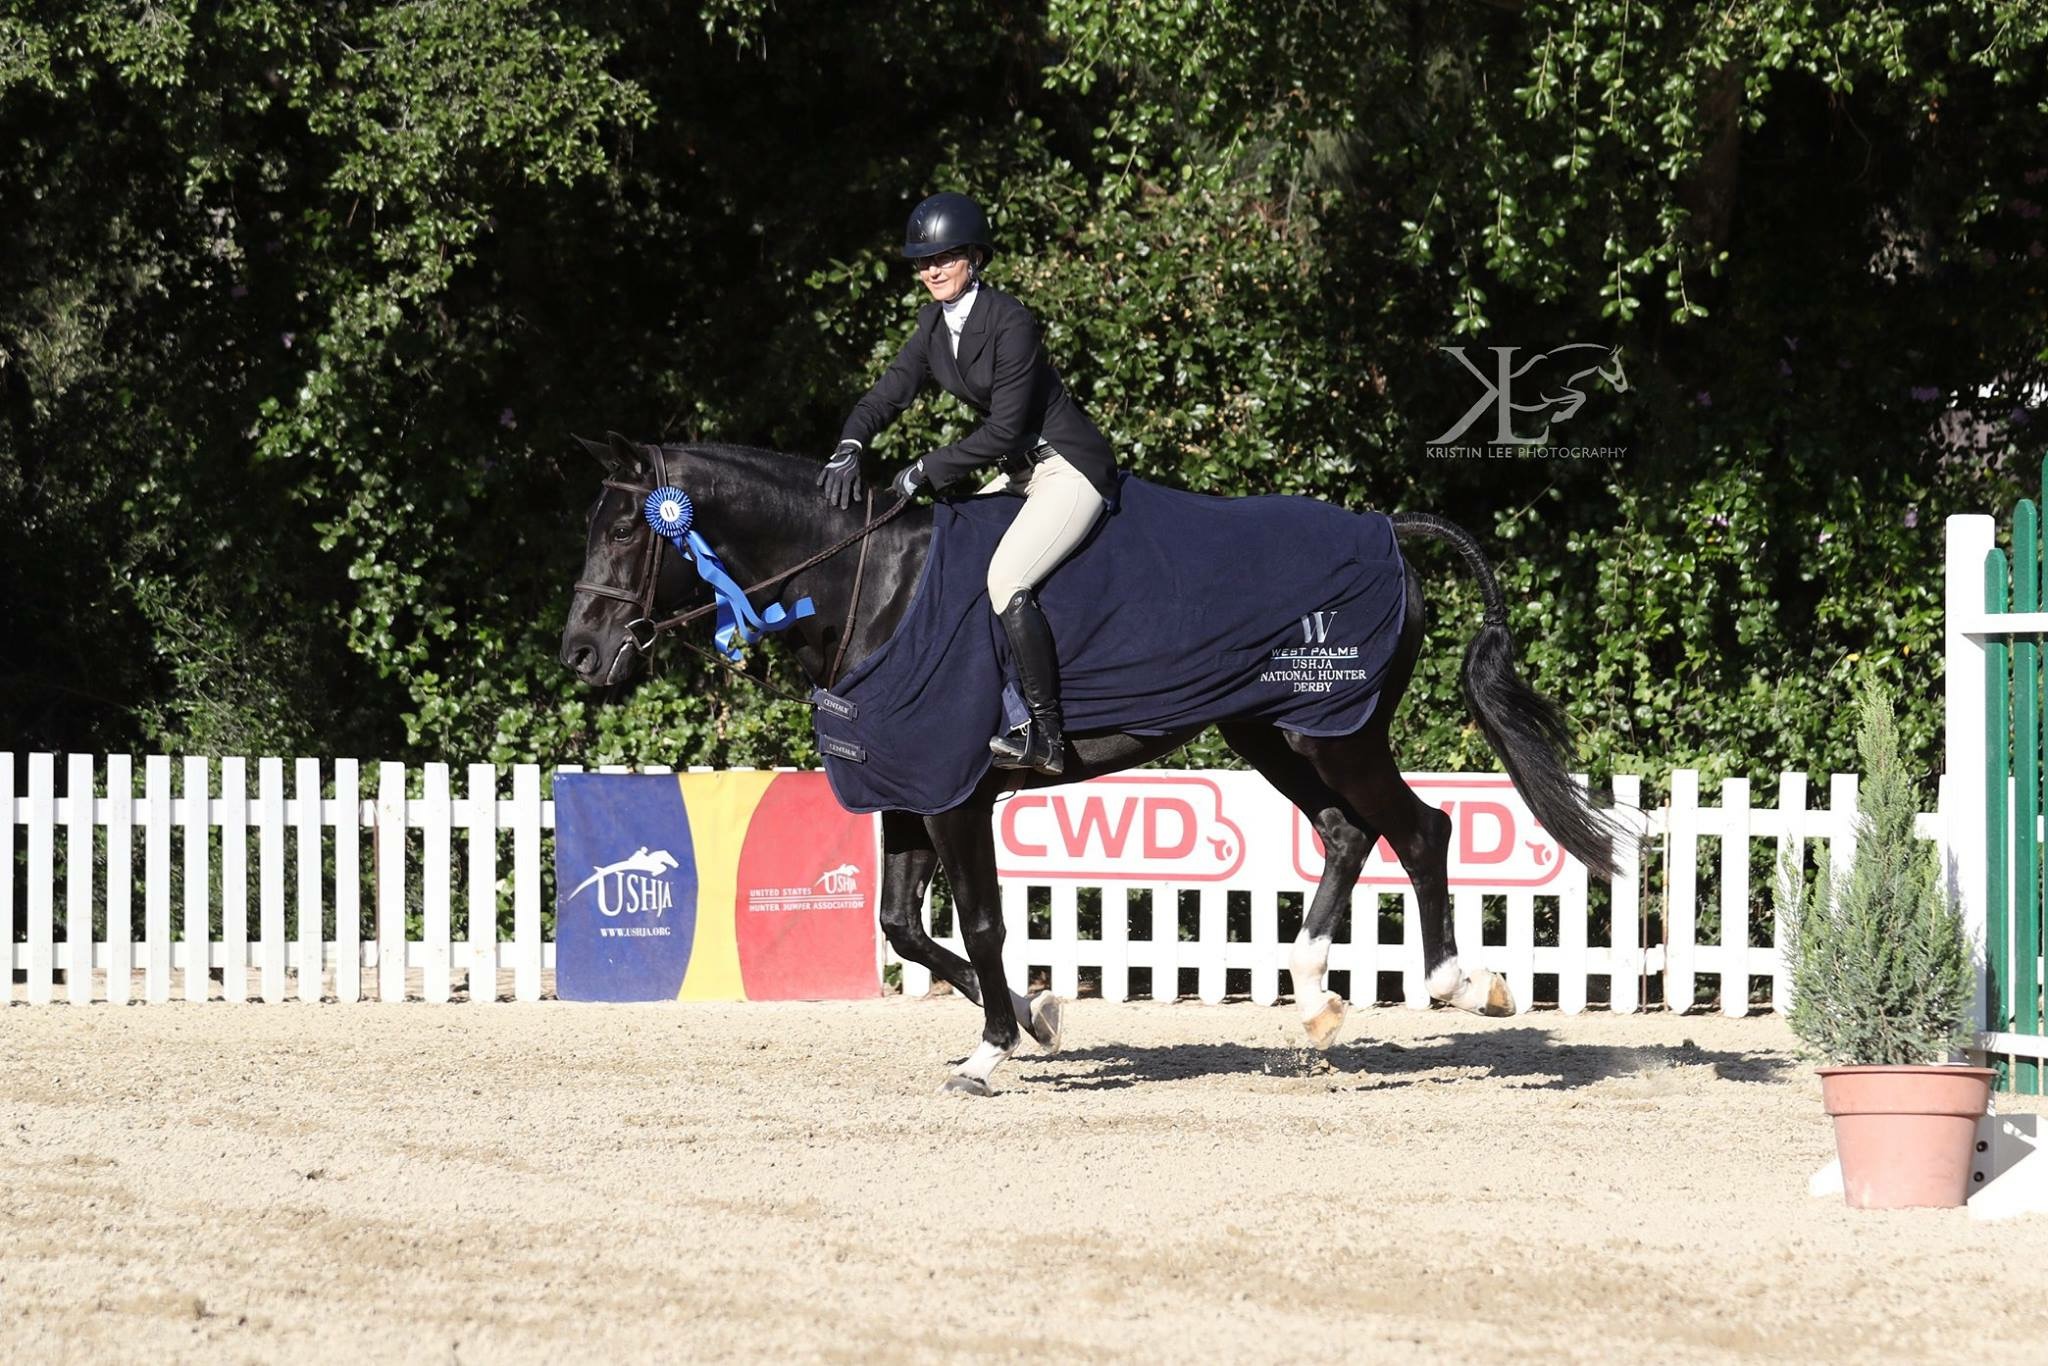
x=1180, y=610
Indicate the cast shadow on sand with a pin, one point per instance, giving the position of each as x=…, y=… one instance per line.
x=1531, y=1059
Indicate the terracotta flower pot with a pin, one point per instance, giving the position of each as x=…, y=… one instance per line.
x=1906, y=1135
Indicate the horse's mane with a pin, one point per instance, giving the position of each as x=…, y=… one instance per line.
x=785, y=471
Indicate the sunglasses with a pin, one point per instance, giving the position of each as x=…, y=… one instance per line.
x=938, y=262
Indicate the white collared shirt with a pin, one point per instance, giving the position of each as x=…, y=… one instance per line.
x=956, y=313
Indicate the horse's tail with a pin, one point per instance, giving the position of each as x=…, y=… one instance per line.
x=1524, y=727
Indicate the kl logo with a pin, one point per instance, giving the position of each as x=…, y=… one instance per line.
x=1557, y=405
x=1315, y=627
x=844, y=878
x=632, y=884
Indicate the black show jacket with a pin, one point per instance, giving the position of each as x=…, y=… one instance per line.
x=1003, y=373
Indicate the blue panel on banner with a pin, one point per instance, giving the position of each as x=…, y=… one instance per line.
x=626, y=887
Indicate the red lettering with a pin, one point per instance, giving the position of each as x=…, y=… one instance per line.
x=1503, y=831
x=1011, y=839
x=1154, y=847
x=1095, y=817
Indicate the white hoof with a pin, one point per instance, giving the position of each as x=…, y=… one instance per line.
x=958, y=1085
x=1046, y=1023
x=1483, y=993
x=1326, y=1024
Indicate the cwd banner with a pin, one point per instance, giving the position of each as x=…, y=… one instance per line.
x=712, y=887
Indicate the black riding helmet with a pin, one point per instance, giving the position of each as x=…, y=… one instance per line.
x=943, y=222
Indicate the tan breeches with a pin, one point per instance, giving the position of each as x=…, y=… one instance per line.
x=1060, y=507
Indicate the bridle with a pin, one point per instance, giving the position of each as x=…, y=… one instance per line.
x=644, y=630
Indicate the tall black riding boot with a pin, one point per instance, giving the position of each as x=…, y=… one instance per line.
x=1038, y=744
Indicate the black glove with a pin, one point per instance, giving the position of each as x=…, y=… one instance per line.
x=909, y=479
x=841, y=476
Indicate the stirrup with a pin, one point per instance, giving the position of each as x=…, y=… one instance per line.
x=1028, y=747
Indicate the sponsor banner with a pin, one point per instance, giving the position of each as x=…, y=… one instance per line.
x=1496, y=843
x=712, y=886
x=1130, y=828
x=807, y=895
x=625, y=888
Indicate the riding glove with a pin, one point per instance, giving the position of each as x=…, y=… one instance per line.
x=909, y=479
x=841, y=476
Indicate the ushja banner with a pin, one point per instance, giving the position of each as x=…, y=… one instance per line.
x=712, y=887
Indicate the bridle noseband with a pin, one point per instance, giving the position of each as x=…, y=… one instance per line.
x=644, y=630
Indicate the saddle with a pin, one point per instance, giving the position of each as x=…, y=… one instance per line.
x=1181, y=610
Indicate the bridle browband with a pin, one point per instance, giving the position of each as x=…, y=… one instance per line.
x=644, y=630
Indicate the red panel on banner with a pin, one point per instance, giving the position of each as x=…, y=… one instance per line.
x=806, y=896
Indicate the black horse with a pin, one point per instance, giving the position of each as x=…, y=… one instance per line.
x=767, y=518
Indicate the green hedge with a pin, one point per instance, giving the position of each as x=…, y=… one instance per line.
x=307, y=301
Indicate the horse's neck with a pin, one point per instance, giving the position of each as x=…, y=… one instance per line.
x=763, y=514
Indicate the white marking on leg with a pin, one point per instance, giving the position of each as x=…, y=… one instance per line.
x=1306, y=964
x=1445, y=978
x=982, y=1062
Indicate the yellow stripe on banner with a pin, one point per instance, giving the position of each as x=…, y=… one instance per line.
x=720, y=807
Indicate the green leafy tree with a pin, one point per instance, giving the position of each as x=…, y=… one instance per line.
x=305, y=302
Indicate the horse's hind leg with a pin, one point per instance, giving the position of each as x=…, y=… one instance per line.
x=908, y=862
x=1346, y=842
x=1362, y=769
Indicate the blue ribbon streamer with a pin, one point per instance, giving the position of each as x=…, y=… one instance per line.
x=739, y=624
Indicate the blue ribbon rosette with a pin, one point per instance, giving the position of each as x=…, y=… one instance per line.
x=670, y=513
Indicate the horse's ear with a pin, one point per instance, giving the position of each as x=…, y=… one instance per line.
x=603, y=454
x=630, y=458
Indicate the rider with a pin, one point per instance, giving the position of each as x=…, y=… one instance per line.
x=982, y=346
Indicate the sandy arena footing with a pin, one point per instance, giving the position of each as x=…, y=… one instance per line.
x=784, y=1182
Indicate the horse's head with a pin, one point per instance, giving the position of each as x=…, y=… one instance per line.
x=626, y=574
x=760, y=532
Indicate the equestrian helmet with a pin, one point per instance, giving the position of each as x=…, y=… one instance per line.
x=945, y=221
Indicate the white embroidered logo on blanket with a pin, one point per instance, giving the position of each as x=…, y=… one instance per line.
x=1315, y=666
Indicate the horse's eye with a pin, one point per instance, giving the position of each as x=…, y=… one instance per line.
x=623, y=532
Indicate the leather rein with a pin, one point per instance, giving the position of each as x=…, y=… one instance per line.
x=644, y=630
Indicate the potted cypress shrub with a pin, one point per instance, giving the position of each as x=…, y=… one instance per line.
x=1882, y=988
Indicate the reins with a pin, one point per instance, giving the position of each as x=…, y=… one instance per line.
x=860, y=569
x=643, y=630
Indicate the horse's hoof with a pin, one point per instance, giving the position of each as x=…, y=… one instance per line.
x=1485, y=993
x=1499, y=1001
x=1046, y=1023
x=966, y=1086
x=1324, y=1026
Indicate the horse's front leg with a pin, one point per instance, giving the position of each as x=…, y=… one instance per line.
x=908, y=861
x=965, y=840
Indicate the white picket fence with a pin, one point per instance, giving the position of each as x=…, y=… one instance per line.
x=474, y=857
x=1664, y=875
x=304, y=935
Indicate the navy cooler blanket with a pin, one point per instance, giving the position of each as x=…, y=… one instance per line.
x=1180, y=610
